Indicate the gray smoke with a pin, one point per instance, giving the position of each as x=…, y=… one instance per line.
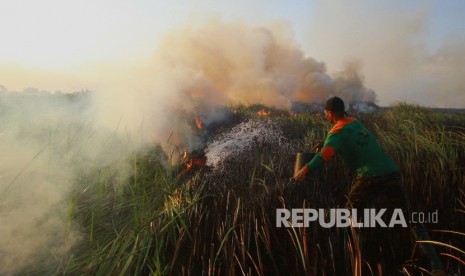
x=46, y=139
x=216, y=64
x=400, y=58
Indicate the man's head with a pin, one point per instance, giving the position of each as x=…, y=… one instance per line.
x=334, y=109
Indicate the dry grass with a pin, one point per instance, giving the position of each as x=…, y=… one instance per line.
x=200, y=232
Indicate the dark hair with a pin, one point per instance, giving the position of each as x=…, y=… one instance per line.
x=336, y=105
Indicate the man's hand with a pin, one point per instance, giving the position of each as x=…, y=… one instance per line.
x=317, y=146
x=300, y=175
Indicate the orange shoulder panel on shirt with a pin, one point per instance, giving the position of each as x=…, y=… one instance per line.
x=340, y=124
x=327, y=152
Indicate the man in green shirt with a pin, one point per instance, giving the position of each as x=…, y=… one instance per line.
x=377, y=183
x=375, y=171
x=353, y=142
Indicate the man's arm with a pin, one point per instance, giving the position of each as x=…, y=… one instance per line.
x=331, y=146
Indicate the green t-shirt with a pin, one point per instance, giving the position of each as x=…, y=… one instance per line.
x=358, y=149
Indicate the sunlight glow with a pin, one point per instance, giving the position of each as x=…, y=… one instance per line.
x=56, y=34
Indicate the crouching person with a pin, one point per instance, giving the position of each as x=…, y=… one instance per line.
x=377, y=185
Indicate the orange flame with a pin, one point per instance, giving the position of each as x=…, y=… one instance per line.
x=194, y=162
x=189, y=163
x=184, y=155
x=262, y=112
x=198, y=122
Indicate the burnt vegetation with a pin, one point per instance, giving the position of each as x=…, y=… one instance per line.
x=168, y=219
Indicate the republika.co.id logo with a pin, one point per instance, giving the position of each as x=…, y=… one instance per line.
x=341, y=217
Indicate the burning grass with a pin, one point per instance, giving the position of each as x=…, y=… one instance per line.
x=166, y=221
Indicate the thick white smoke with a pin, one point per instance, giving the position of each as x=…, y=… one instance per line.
x=216, y=64
x=48, y=138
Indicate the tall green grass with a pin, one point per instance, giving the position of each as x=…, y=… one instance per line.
x=161, y=222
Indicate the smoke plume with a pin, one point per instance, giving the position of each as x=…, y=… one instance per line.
x=48, y=138
x=400, y=58
x=205, y=66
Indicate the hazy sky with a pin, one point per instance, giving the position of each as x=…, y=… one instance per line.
x=408, y=50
